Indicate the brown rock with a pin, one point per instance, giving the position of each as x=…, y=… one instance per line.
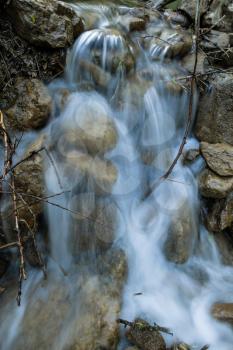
x=144, y=338
x=91, y=128
x=223, y=312
x=32, y=107
x=181, y=235
x=177, y=43
x=40, y=22
x=219, y=157
x=214, y=186
x=215, y=115
x=132, y=23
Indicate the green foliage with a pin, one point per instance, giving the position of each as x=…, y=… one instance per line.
x=174, y=5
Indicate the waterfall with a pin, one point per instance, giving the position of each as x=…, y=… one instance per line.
x=115, y=133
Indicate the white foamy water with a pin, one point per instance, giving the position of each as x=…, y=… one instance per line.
x=150, y=121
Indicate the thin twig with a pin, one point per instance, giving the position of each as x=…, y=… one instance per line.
x=144, y=326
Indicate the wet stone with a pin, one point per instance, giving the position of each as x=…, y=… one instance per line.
x=223, y=312
x=143, y=338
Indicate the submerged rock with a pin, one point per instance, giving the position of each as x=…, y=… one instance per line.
x=180, y=346
x=143, y=337
x=219, y=157
x=181, y=235
x=223, y=312
x=42, y=23
x=215, y=113
x=77, y=316
x=171, y=43
x=87, y=127
x=132, y=23
x=212, y=185
x=32, y=107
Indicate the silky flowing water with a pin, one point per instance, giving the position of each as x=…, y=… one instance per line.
x=150, y=119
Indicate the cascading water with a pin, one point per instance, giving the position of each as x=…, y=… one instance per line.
x=112, y=80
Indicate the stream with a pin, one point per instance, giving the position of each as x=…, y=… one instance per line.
x=119, y=115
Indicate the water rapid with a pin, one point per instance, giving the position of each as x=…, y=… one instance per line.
x=118, y=120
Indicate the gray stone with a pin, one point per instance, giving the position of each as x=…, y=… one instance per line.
x=212, y=185
x=219, y=157
x=215, y=113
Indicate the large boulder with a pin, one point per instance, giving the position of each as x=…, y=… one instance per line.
x=215, y=114
x=32, y=107
x=219, y=157
x=79, y=317
x=45, y=23
x=212, y=185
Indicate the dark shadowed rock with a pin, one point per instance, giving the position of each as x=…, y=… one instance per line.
x=220, y=215
x=3, y=266
x=215, y=115
x=225, y=246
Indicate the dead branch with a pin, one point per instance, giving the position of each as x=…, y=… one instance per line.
x=9, y=151
x=9, y=245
